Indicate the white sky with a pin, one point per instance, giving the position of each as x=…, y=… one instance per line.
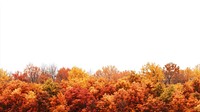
x=91, y=34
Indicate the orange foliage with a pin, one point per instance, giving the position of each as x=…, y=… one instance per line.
x=109, y=90
x=73, y=99
x=62, y=74
x=153, y=72
x=107, y=72
x=20, y=96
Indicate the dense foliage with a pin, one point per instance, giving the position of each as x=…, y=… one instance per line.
x=46, y=89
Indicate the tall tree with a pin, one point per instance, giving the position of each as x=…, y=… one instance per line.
x=196, y=70
x=170, y=70
x=107, y=72
x=153, y=72
x=62, y=74
x=33, y=72
x=49, y=70
x=3, y=76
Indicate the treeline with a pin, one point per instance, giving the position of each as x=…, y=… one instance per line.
x=154, y=88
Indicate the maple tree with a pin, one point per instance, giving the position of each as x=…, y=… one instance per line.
x=20, y=76
x=62, y=74
x=73, y=99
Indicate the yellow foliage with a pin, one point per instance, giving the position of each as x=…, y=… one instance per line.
x=153, y=72
x=93, y=90
x=78, y=76
x=77, y=73
x=16, y=91
x=30, y=95
x=189, y=74
x=197, y=108
x=123, y=84
x=106, y=103
x=51, y=87
x=3, y=76
x=196, y=72
x=178, y=87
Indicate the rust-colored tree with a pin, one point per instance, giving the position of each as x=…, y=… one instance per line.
x=179, y=78
x=170, y=70
x=20, y=76
x=74, y=99
x=44, y=77
x=100, y=87
x=62, y=74
x=107, y=72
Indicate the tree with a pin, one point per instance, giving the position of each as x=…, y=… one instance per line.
x=77, y=76
x=189, y=75
x=107, y=72
x=33, y=72
x=75, y=99
x=196, y=70
x=52, y=88
x=19, y=96
x=52, y=71
x=4, y=76
x=179, y=78
x=20, y=76
x=170, y=70
x=153, y=72
x=62, y=74
x=122, y=74
x=77, y=73
x=49, y=70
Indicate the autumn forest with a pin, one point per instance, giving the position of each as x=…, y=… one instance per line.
x=154, y=88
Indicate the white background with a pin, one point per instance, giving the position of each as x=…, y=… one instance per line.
x=91, y=34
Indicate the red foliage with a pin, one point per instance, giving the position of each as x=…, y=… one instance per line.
x=76, y=99
x=20, y=76
x=62, y=74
